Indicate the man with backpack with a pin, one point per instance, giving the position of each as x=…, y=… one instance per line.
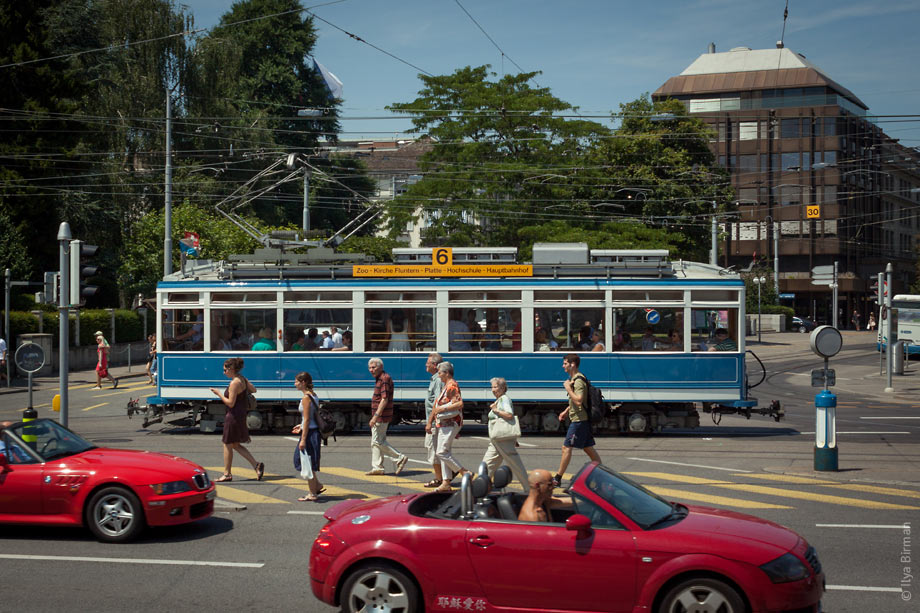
x=579, y=432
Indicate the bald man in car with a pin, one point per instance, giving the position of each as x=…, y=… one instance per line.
x=540, y=500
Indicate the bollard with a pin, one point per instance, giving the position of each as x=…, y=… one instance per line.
x=826, y=431
x=28, y=430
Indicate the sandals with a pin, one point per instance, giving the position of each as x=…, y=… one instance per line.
x=444, y=488
x=320, y=490
x=308, y=498
x=260, y=470
x=224, y=478
x=433, y=483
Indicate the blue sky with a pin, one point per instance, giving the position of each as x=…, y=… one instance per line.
x=596, y=54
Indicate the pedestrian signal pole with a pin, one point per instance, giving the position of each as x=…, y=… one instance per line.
x=64, y=237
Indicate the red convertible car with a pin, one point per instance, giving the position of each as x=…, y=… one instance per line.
x=51, y=475
x=617, y=548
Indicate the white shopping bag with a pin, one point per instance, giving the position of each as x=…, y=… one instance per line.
x=306, y=467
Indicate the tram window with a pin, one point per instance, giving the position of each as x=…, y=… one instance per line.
x=484, y=329
x=183, y=329
x=316, y=329
x=479, y=296
x=648, y=295
x=705, y=322
x=243, y=329
x=558, y=329
x=557, y=296
x=400, y=329
x=183, y=298
x=317, y=297
x=400, y=297
x=237, y=297
x=714, y=295
x=646, y=329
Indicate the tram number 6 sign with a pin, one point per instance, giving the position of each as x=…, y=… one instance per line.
x=442, y=256
x=813, y=211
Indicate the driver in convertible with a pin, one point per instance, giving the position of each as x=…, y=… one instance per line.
x=16, y=455
x=540, y=500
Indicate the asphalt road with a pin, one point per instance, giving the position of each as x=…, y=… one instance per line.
x=252, y=554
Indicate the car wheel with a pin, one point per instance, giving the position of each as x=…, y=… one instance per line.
x=379, y=587
x=114, y=515
x=702, y=596
x=803, y=330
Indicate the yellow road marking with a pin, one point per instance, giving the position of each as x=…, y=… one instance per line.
x=786, y=478
x=95, y=406
x=402, y=482
x=35, y=406
x=672, y=477
x=331, y=490
x=246, y=496
x=783, y=493
x=673, y=494
x=875, y=489
x=849, y=502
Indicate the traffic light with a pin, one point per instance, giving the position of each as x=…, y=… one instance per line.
x=79, y=291
x=52, y=287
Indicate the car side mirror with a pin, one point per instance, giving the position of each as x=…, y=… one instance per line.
x=579, y=523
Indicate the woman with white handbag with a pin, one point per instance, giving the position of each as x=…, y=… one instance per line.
x=504, y=431
x=307, y=452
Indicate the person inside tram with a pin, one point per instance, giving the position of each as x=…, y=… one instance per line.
x=622, y=342
x=326, y=344
x=194, y=335
x=491, y=338
x=584, y=340
x=265, y=342
x=347, y=341
x=674, y=343
x=648, y=339
x=398, y=331
x=539, y=340
x=723, y=342
x=222, y=340
x=475, y=330
x=299, y=341
x=458, y=334
x=598, y=341
x=310, y=342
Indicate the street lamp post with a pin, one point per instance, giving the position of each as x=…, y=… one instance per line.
x=758, y=281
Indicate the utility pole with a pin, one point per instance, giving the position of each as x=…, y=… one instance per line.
x=167, y=232
x=7, y=278
x=714, y=253
x=889, y=278
x=306, y=202
x=64, y=237
x=776, y=258
x=834, y=301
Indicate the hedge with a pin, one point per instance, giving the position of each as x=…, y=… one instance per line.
x=129, y=325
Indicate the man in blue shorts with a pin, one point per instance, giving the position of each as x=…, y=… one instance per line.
x=579, y=432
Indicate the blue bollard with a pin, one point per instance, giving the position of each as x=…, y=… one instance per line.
x=826, y=431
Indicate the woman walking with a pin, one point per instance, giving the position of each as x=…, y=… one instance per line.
x=447, y=416
x=102, y=362
x=151, y=356
x=309, y=435
x=503, y=448
x=235, y=431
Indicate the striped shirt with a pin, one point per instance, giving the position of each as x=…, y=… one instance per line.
x=383, y=391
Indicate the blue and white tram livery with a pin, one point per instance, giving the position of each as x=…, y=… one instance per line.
x=643, y=327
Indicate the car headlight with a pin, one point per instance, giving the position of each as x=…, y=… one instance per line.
x=785, y=568
x=173, y=487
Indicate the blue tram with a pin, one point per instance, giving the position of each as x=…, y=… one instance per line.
x=643, y=326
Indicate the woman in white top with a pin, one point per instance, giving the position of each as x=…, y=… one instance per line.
x=505, y=449
x=398, y=329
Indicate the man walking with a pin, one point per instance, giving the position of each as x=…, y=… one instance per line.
x=579, y=432
x=435, y=387
x=381, y=414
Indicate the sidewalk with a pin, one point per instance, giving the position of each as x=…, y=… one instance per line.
x=20, y=385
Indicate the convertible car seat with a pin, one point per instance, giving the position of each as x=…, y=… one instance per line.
x=482, y=503
x=501, y=478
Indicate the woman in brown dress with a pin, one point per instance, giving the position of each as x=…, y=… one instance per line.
x=235, y=431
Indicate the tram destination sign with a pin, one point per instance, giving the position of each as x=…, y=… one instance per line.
x=434, y=270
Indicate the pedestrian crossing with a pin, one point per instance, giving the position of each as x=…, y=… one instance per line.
x=749, y=490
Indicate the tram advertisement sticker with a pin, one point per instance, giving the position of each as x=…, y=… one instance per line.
x=457, y=270
x=652, y=316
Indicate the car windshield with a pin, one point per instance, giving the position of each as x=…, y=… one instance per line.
x=49, y=439
x=630, y=498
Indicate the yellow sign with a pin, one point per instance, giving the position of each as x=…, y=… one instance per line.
x=460, y=270
x=442, y=256
x=813, y=211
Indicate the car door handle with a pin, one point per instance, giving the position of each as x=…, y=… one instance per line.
x=482, y=541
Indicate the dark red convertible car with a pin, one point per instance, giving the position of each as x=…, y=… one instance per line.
x=51, y=475
x=618, y=548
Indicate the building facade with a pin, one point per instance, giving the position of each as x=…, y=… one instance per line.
x=818, y=181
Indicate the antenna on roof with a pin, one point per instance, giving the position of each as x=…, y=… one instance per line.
x=779, y=43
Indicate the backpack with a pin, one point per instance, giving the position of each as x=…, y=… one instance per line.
x=325, y=422
x=594, y=402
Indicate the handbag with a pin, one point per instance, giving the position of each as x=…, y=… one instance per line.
x=251, y=402
x=501, y=428
x=306, y=467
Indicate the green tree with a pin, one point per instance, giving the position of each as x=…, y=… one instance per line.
x=609, y=235
x=142, y=260
x=495, y=142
